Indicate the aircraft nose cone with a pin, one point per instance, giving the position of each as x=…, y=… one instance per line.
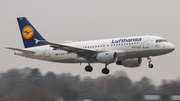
x=171, y=47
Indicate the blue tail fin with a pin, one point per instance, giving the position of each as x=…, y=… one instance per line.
x=29, y=34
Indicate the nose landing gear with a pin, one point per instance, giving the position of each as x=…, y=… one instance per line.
x=150, y=65
x=149, y=60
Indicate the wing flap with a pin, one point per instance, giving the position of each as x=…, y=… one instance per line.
x=21, y=50
x=71, y=49
x=67, y=47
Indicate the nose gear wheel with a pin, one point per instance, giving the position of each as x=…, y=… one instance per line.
x=149, y=60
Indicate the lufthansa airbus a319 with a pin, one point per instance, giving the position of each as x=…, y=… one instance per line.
x=126, y=51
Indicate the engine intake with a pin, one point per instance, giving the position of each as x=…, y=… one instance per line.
x=106, y=57
x=135, y=62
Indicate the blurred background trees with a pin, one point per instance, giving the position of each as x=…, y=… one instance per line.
x=30, y=85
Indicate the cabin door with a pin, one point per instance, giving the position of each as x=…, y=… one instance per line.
x=146, y=42
x=47, y=51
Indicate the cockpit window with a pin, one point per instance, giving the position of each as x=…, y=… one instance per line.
x=160, y=40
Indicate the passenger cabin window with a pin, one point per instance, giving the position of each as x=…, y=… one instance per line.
x=160, y=40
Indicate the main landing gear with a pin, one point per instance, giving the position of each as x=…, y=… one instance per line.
x=89, y=68
x=149, y=60
x=105, y=70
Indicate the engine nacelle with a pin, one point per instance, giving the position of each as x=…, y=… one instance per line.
x=135, y=62
x=106, y=57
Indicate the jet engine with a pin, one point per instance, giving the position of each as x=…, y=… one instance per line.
x=106, y=57
x=135, y=62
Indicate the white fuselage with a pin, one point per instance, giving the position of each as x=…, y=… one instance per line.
x=127, y=47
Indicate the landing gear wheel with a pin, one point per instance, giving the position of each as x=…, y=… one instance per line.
x=150, y=65
x=149, y=60
x=88, y=68
x=105, y=71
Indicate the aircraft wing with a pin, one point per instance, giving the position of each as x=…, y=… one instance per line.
x=21, y=50
x=79, y=51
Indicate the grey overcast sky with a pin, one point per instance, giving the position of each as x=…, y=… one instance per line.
x=61, y=20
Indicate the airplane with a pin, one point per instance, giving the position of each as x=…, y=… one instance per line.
x=126, y=51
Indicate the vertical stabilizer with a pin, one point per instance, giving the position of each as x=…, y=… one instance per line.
x=29, y=34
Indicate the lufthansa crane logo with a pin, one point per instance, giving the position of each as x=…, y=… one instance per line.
x=27, y=32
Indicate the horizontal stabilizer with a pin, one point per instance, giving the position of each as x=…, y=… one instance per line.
x=21, y=50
